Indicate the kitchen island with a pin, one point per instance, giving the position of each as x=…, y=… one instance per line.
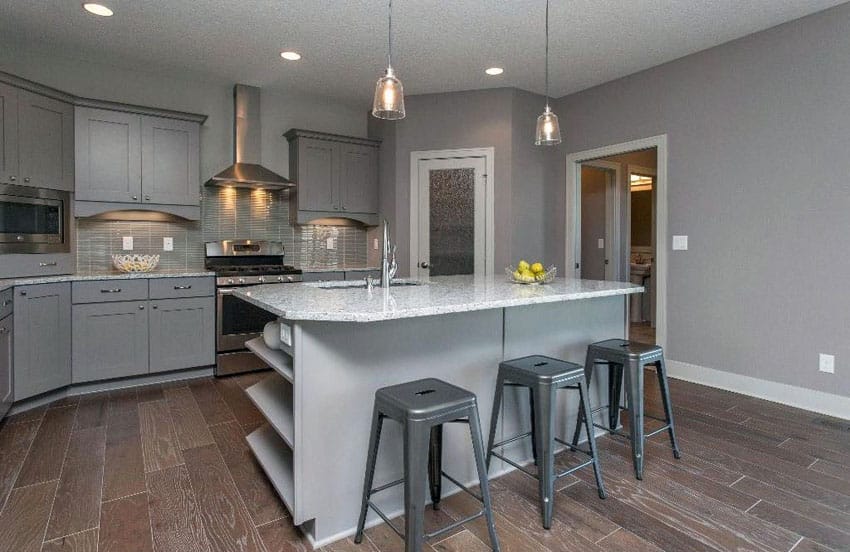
x=340, y=343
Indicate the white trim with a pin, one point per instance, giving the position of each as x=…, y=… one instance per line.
x=573, y=216
x=488, y=154
x=790, y=395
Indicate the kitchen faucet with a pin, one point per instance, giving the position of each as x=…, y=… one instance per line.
x=388, y=263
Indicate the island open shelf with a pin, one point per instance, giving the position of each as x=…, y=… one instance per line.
x=273, y=397
x=276, y=459
x=280, y=361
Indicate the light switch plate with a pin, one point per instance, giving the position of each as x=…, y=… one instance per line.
x=330, y=243
x=286, y=334
x=680, y=243
x=826, y=363
x=127, y=243
x=600, y=243
x=168, y=244
x=375, y=244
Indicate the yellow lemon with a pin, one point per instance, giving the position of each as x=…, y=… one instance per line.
x=517, y=275
x=537, y=268
x=522, y=266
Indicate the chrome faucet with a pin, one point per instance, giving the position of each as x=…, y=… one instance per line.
x=388, y=263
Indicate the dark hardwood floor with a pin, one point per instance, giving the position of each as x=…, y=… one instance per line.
x=166, y=468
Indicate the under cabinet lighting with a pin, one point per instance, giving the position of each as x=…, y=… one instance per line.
x=97, y=9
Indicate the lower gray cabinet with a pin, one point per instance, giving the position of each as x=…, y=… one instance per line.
x=6, y=379
x=182, y=333
x=42, y=340
x=110, y=340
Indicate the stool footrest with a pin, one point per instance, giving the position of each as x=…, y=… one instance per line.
x=574, y=468
x=384, y=517
x=453, y=525
x=624, y=436
x=462, y=487
x=514, y=464
x=657, y=431
x=386, y=486
x=512, y=439
x=573, y=448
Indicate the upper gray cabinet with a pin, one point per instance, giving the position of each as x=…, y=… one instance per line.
x=140, y=161
x=36, y=140
x=336, y=177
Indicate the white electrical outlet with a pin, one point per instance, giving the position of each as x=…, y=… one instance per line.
x=680, y=243
x=600, y=243
x=127, y=243
x=168, y=244
x=330, y=243
x=827, y=363
x=375, y=244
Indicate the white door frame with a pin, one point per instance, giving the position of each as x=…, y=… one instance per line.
x=489, y=202
x=573, y=215
x=612, y=218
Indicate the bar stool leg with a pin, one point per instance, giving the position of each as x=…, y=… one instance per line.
x=533, y=425
x=494, y=417
x=416, y=444
x=543, y=400
x=615, y=385
x=661, y=370
x=588, y=372
x=435, y=465
x=584, y=406
x=374, y=442
x=634, y=388
x=475, y=435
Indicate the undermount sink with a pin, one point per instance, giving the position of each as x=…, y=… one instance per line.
x=358, y=284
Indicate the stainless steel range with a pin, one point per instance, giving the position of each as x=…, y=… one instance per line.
x=239, y=263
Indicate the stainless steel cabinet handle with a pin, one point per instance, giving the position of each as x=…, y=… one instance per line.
x=114, y=290
x=135, y=198
x=154, y=307
x=141, y=307
x=12, y=178
x=23, y=292
x=182, y=287
x=47, y=264
x=424, y=264
x=26, y=179
x=147, y=198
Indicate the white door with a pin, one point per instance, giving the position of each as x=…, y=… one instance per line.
x=450, y=211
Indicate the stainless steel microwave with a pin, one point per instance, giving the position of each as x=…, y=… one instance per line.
x=34, y=220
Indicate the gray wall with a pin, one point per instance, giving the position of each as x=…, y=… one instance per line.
x=758, y=165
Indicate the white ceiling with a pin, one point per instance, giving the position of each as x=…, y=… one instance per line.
x=440, y=45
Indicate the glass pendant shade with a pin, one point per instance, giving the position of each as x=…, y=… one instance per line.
x=548, y=130
x=389, y=97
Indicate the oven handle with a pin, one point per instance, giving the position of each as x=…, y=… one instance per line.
x=226, y=291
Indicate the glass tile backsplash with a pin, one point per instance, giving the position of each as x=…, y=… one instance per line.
x=227, y=213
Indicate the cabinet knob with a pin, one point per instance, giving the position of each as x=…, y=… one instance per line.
x=4, y=331
x=141, y=307
x=13, y=178
x=154, y=307
x=424, y=264
x=147, y=198
x=23, y=292
x=26, y=179
x=135, y=198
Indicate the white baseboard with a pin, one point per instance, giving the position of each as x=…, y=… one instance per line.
x=799, y=397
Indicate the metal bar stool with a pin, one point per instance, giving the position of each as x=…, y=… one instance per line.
x=625, y=360
x=421, y=406
x=543, y=376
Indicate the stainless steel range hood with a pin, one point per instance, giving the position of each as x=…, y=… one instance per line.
x=246, y=171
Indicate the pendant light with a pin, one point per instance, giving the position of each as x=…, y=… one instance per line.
x=389, y=92
x=548, y=131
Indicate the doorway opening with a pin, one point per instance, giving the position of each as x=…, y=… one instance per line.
x=451, y=212
x=617, y=222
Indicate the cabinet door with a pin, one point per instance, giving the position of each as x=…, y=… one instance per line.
x=46, y=142
x=318, y=178
x=170, y=161
x=108, y=156
x=182, y=333
x=110, y=340
x=358, y=178
x=6, y=332
x=8, y=134
x=42, y=338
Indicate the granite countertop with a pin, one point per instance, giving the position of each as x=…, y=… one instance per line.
x=339, y=302
x=102, y=275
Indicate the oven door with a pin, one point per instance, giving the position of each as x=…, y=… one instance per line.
x=33, y=220
x=237, y=321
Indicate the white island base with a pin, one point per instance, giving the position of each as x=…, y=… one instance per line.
x=319, y=403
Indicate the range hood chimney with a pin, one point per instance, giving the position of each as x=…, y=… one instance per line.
x=246, y=171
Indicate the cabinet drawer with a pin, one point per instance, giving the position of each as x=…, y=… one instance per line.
x=102, y=291
x=175, y=288
x=23, y=265
x=6, y=300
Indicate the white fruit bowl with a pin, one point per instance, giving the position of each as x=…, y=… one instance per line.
x=135, y=263
x=548, y=276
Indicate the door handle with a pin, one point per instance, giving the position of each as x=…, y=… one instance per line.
x=424, y=264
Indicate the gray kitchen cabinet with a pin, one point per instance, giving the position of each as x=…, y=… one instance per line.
x=8, y=134
x=42, y=340
x=323, y=276
x=110, y=340
x=170, y=161
x=182, y=333
x=45, y=142
x=108, y=155
x=336, y=177
x=7, y=330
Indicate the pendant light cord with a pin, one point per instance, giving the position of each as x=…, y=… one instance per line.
x=547, y=54
x=390, y=36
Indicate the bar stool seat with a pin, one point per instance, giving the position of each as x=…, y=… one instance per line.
x=625, y=361
x=422, y=406
x=543, y=376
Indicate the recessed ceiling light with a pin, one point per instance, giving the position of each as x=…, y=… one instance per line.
x=97, y=9
x=493, y=71
x=291, y=56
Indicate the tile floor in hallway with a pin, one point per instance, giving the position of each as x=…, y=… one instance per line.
x=166, y=468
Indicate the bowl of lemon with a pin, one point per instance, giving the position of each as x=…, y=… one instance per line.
x=530, y=273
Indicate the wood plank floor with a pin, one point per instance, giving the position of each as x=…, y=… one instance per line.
x=166, y=468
